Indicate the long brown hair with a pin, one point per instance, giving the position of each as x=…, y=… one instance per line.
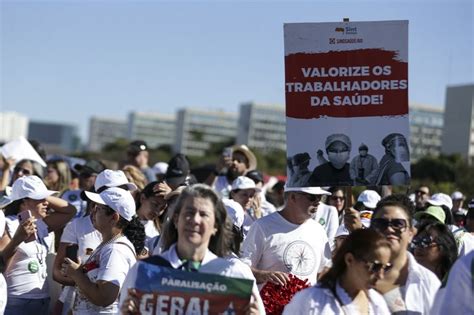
x=219, y=243
x=362, y=244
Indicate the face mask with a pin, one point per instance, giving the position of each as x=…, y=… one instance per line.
x=338, y=160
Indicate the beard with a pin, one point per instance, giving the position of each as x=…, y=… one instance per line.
x=232, y=174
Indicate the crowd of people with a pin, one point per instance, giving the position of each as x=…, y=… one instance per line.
x=75, y=237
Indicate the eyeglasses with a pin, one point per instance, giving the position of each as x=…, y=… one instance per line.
x=375, y=266
x=424, y=242
x=24, y=171
x=337, y=198
x=310, y=197
x=382, y=224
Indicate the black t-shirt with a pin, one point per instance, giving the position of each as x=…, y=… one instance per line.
x=326, y=175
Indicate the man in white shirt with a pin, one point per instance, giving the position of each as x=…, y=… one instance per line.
x=289, y=241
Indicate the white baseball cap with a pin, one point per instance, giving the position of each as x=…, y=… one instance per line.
x=27, y=187
x=118, y=199
x=160, y=168
x=111, y=178
x=457, y=195
x=308, y=190
x=234, y=211
x=369, y=198
x=243, y=182
x=440, y=199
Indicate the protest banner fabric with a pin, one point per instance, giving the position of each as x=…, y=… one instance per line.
x=346, y=88
x=164, y=290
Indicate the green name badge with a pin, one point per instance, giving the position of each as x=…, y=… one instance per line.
x=33, y=266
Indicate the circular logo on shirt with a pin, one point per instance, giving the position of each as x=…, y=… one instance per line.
x=300, y=258
x=322, y=221
x=72, y=197
x=33, y=266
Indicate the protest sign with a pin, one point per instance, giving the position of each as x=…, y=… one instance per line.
x=162, y=290
x=346, y=88
x=20, y=149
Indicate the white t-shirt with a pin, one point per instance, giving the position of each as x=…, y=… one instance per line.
x=74, y=197
x=275, y=244
x=457, y=296
x=81, y=232
x=319, y=300
x=27, y=271
x=464, y=240
x=150, y=233
x=212, y=264
x=327, y=216
x=2, y=223
x=113, y=261
x=420, y=288
x=222, y=186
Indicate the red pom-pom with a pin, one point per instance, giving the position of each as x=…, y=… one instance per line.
x=275, y=296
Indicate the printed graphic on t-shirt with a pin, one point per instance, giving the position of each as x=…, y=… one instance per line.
x=299, y=258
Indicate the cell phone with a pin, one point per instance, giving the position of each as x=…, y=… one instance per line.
x=71, y=252
x=22, y=217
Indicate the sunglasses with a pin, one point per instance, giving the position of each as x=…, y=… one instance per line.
x=375, y=266
x=424, y=242
x=310, y=197
x=337, y=198
x=24, y=171
x=382, y=224
x=421, y=192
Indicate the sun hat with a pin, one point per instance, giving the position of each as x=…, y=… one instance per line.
x=110, y=178
x=160, y=168
x=434, y=211
x=242, y=148
x=27, y=187
x=440, y=199
x=243, y=182
x=457, y=195
x=118, y=199
x=369, y=198
x=308, y=190
x=234, y=211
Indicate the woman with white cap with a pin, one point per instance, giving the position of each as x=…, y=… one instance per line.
x=27, y=241
x=80, y=232
x=100, y=278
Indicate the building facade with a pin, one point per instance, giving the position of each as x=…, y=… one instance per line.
x=12, y=126
x=55, y=137
x=426, y=129
x=458, y=134
x=104, y=130
x=262, y=127
x=198, y=129
x=154, y=128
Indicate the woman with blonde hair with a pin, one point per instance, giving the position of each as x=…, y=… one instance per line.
x=58, y=176
x=135, y=176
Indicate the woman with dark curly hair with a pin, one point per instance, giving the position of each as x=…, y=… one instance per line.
x=197, y=238
x=99, y=279
x=434, y=247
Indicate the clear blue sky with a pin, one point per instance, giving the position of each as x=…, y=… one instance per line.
x=65, y=61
